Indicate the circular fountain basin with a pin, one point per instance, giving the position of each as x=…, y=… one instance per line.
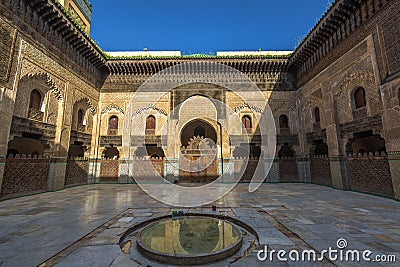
x=189, y=240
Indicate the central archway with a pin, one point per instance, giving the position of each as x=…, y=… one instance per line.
x=197, y=128
x=199, y=162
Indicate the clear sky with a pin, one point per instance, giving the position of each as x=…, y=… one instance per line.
x=203, y=26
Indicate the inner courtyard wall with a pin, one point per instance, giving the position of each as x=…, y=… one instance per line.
x=365, y=64
x=27, y=65
x=33, y=55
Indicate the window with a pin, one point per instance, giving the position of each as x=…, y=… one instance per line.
x=317, y=117
x=284, y=122
x=113, y=125
x=359, y=98
x=246, y=121
x=35, y=100
x=150, y=125
x=81, y=116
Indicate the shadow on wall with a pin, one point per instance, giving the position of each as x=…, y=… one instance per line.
x=365, y=142
x=28, y=163
x=25, y=146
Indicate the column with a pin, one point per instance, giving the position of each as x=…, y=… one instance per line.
x=6, y=114
x=58, y=162
x=94, y=158
x=303, y=160
x=391, y=130
x=337, y=155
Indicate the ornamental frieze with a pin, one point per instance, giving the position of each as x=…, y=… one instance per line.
x=34, y=61
x=111, y=107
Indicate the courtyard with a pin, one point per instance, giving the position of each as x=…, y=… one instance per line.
x=82, y=226
x=315, y=125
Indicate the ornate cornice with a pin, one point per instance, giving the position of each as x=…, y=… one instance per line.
x=339, y=22
x=152, y=66
x=52, y=21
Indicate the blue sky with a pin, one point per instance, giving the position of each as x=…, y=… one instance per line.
x=203, y=26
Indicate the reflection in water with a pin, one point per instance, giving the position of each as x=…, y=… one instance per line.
x=190, y=235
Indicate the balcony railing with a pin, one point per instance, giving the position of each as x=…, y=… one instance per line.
x=21, y=125
x=112, y=131
x=316, y=126
x=247, y=130
x=150, y=131
x=35, y=114
x=360, y=113
x=285, y=131
x=81, y=128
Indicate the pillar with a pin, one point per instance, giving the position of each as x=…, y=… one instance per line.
x=391, y=130
x=337, y=155
x=8, y=93
x=6, y=114
x=302, y=155
x=94, y=156
x=58, y=161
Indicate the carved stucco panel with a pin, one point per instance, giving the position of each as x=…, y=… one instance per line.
x=54, y=69
x=344, y=92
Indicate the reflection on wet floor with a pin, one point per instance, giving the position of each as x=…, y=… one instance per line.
x=40, y=226
x=190, y=235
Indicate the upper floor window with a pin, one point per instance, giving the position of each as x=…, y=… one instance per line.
x=35, y=100
x=113, y=125
x=284, y=122
x=35, y=105
x=246, y=121
x=81, y=117
x=359, y=98
x=317, y=115
x=150, y=124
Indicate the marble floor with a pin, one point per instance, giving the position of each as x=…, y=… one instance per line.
x=81, y=226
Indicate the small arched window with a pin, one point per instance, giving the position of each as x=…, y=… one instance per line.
x=150, y=124
x=359, y=98
x=81, y=116
x=284, y=122
x=246, y=121
x=113, y=125
x=35, y=100
x=317, y=115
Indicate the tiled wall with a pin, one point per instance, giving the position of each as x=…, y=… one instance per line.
x=370, y=174
x=24, y=176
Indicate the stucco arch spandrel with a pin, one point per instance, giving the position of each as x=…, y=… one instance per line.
x=89, y=103
x=52, y=83
x=249, y=106
x=113, y=107
x=29, y=69
x=150, y=107
x=282, y=106
x=311, y=102
x=351, y=82
x=355, y=79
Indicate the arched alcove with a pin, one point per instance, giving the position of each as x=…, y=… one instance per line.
x=359, y=98
x=195, y=128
